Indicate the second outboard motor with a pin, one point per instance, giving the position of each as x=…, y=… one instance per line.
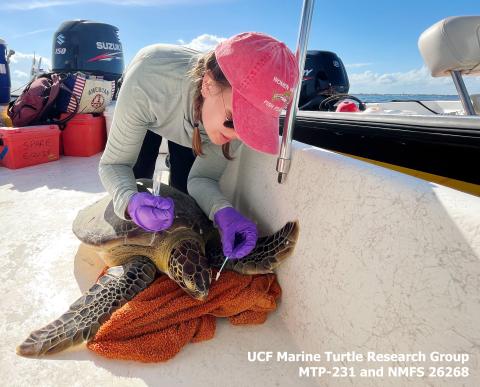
x=89, y=47
x=324, y=75
x=5, y=83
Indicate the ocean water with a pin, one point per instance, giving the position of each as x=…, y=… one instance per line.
x=404, y=97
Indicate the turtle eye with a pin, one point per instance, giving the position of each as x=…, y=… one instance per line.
x=228, y=124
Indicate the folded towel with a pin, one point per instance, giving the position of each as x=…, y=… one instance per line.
x=158, y=322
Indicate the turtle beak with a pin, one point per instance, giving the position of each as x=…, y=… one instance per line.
x=200, y=296
x=200, y=285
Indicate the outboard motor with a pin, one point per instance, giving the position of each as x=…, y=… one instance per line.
x=90, y=47
x=324, y=76
x=5, y=83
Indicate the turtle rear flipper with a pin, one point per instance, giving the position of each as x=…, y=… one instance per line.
x=269, y=252
x=84, y=317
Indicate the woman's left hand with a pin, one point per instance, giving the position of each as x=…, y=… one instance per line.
x=239, y=234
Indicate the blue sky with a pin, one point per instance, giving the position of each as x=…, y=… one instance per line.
x=376, y=39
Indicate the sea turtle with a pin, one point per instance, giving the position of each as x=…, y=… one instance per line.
x=186, y=252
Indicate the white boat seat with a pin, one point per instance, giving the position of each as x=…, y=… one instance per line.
x=452, y=44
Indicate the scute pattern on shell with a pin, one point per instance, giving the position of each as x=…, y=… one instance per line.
x=98, y=223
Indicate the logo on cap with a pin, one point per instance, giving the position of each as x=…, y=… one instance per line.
x=284, y=97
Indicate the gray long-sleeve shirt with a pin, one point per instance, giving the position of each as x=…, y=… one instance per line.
x=157, y=95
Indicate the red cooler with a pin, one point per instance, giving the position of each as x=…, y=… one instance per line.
x=84, y=135
x=29, y=145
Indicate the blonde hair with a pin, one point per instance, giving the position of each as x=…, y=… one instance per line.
x=207, y=62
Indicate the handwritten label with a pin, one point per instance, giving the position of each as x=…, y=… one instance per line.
x=39, y=149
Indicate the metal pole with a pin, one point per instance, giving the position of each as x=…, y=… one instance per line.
x=463, y=93
x=284, y=158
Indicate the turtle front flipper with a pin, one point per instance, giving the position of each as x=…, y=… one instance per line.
x=84, y=317
x=269, y=252
x=189, y=268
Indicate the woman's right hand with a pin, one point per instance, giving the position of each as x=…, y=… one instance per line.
x=152, y=213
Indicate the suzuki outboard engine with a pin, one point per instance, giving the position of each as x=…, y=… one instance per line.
x=89, y=47
x=324, y=76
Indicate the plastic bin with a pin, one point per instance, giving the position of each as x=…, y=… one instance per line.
x=29, y=145
x=84, y=135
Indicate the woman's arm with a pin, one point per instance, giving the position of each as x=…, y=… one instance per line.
x=129, y=125
x=204, y=176
x=239, y=234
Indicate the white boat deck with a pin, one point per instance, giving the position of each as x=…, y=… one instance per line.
x=385, y=262
x=43, y=271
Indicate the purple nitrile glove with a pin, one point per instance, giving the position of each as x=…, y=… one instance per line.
x=239, y=234
x=152, y=213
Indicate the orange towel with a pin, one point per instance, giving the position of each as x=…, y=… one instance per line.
x=158, y=322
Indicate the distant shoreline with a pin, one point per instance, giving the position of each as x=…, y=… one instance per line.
x=444, y=95
x=403, y=97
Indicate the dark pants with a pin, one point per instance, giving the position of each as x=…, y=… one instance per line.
x=181, y=160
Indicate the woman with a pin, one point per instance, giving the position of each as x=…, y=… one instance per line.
x=213, y=103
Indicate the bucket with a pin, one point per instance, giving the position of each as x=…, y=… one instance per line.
x=4, y=75
x=84, y=135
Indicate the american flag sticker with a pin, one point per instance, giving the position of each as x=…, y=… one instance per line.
x=77, y=90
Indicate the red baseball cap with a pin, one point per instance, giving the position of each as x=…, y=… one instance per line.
x=263, y=74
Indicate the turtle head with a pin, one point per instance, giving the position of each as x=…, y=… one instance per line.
x=189, y=268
